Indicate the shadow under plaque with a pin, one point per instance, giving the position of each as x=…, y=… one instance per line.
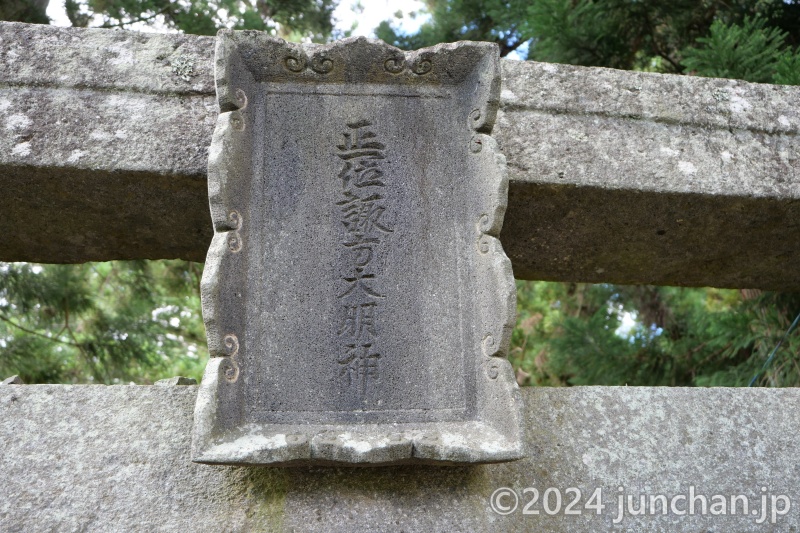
x=357, y=301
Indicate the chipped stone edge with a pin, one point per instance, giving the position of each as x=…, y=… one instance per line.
x=228, y=160
x=497, y=439
x=499, y=398
x=444, y=443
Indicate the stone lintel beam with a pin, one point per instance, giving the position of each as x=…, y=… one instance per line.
x=633, y=177
x=118, y=458
x=616, y=176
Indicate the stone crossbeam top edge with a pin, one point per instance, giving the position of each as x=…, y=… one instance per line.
x=616, y=176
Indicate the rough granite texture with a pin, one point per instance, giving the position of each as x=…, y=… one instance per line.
x=615, y=176
x=357, y=302
x=104, y=141
x=97, y=458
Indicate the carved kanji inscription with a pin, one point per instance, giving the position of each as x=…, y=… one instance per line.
x=357, y=301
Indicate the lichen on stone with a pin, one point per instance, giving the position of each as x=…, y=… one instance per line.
x=183, y=67
x=721, y=95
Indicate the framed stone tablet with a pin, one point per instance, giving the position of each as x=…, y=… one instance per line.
x=357, y=301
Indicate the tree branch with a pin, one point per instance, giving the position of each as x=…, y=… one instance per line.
x=33, y=332
x=134, y=21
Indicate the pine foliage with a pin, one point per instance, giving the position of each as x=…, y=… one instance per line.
x=30, y=11
x=101, y=323
x=787, y=71
x=459, y=20
x=751, y=51
x=570, y=334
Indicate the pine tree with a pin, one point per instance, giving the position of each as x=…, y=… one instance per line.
x=101, y=322
x=470, y=20
x=625, y=34
x=568, y=334
x=31, y=11
x=752, y=51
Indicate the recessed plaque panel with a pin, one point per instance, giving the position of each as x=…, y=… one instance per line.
x=357, y=301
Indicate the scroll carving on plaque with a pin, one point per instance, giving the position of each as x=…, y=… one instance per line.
x=357, y=300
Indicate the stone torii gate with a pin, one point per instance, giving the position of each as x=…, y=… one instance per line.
x=615, y=176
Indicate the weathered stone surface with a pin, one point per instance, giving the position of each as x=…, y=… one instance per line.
x=357, y=301
x=104, y=144
x=12, y=380
x=118, y=459
x=614, y=176
x=112, y=60
x=650, y=178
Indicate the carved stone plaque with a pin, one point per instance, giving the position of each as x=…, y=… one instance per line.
x=357, y=301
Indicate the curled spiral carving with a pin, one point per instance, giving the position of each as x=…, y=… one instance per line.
x=422, y=66
x=229, y=369
x=484, y=223
x=484, y=244
x=488, y=345
x=295, y=62
x=241, y=98
x=475, y=144
x=493, y=370
x=395, y=65
x=237, y=122
x=321, y=64
x=234, y=237
x=231, y=344
x=234, y=241
x=236, y=219
x=475, y=117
